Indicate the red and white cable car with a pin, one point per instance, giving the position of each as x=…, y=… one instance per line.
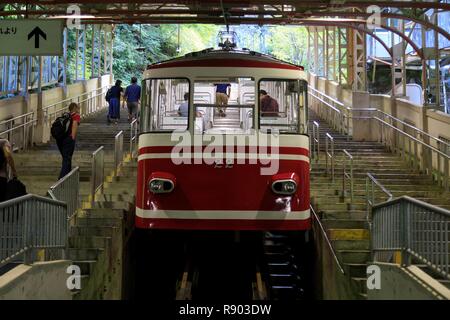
x=230, y=166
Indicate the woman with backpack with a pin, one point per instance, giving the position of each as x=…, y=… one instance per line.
x=66, y=140
x=113, y=97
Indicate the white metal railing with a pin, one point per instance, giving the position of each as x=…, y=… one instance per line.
x=118, y=152
x=98, y=171
x=67, y=189
x=23, y=126
x=89, y=102
x=329, y=154
x=415, y=149
x=407, y=147
x=371, y=183
x=335, y=113
x=325, y=236
x=347, y=175
x=29, y=223
x=415, y=229
x=133, y=138
x=315, y=141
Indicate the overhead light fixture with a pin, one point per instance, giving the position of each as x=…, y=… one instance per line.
x=74, y=16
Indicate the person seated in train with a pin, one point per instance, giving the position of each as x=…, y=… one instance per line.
x=183, y=109
x=223, y=91
x=269, y=106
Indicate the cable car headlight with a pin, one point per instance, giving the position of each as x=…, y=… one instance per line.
x=161, y=182
x=286, y=184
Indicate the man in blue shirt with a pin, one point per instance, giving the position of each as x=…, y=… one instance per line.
x=223, y=91
x=132, y=96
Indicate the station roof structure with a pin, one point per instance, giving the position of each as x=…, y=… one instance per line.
x=304, y=12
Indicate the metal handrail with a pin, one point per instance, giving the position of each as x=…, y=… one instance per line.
x=329, y=154
x=326, y=96
x=415, y=229
x=67, y=189
x=31, y=222
x=48, y=116
x=118, y=152
x=25, y=125
x=343, y=123
x=370, y=193
x=441, y=176
x=417, y=160
x=316, y=141
x=414, y=128
x=347, y=175
x=327, y=240
x=133, y=137
x=98, y=171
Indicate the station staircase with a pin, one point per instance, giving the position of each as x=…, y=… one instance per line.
x=346, y=224
x=100, y=230
x=231, y=120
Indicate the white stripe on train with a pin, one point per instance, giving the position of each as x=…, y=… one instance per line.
x=187, y=155
x=222, y=214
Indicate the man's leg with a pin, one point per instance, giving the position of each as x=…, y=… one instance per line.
x=225, y=103
x=130, y=109
x=68, y=148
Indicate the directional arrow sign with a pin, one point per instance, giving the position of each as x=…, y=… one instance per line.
x=31, y=37
x=37, y=33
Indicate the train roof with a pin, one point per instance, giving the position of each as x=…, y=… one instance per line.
x=226, y=58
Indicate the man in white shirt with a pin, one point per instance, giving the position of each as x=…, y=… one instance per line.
x=183, y=109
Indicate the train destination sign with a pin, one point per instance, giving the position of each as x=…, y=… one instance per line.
x=31, y=37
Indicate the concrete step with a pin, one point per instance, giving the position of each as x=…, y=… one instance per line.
x=80, y=242
x=358, y=270
x=358, y=215
x=84, y=254
x=354, y=256
x=86, y=266
x=351, y=244
x=98, y=222
x=103, y=213
x=344, y=223
x=113, y=205
x=361, y=285
x=93, y=231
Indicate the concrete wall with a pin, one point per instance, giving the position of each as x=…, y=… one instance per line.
x=329, y=282
x=410, y=283
x=39, y=281
x=19, y=105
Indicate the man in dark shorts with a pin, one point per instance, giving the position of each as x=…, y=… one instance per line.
x=223, y=91
x=132, y=96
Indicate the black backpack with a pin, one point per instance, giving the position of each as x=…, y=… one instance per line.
x=61, y=126
x=108, y=95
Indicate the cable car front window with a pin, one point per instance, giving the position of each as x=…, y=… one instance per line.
x=165, y=105
x=224, y=105
x=282, y=105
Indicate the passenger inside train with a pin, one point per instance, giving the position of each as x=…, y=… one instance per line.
x=279, y=104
